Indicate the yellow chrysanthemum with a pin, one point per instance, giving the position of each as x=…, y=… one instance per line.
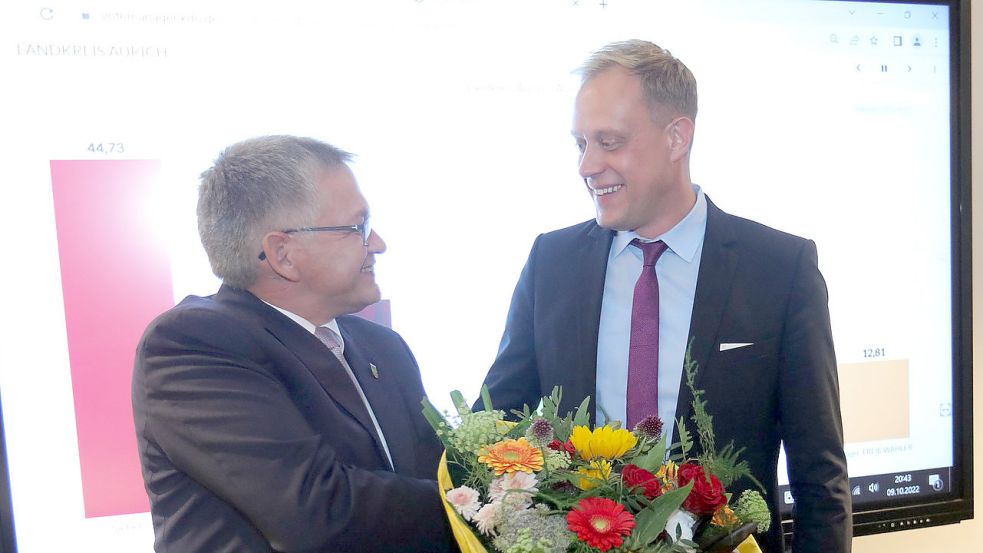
x=594, y=475
x=512, y=456
x=603, y=443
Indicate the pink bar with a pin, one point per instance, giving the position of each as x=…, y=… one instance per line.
x=378, y=313
x=116, y=278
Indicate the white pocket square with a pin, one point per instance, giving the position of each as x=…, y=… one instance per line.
x=724, y=346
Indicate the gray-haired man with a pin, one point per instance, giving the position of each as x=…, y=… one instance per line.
x=267, y=419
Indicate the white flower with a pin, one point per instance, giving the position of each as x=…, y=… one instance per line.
x=516, y=488
x=465, y=501
x=681, y=524
x=485, y=518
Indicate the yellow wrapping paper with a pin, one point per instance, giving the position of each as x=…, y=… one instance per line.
x=468, y=542
x=750, y=545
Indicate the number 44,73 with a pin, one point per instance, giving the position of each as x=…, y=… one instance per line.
x=106, y=147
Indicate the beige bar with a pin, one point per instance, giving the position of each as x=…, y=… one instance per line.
x=874, y=400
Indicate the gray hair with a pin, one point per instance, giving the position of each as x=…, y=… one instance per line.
x=258, y=186
x=666, y=80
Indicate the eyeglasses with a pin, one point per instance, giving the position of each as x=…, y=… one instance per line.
x=363, y=228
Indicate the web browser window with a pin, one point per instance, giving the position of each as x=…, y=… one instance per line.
x=829, y=120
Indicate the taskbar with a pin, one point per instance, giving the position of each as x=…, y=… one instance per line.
x=891, y=488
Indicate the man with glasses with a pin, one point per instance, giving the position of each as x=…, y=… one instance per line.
x=267, y=417
x=609, y=308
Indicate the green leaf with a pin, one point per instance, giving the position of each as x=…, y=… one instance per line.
x=486, y=398
x=437, y=421
x=519, y=430
x=651, y=521
x=551, y=404
x=459, y=403
x=525, y=413
x=652, y=460
x=728, y=467
x=685, y=438
x=582, y=418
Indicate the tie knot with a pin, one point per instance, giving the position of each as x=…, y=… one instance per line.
x=650, y=250
x=328, y=337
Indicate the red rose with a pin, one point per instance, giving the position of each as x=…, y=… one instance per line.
x=557, y=445
x=634, y=476
x=706, y=496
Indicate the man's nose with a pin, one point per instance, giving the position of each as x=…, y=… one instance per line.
x=591, y=163
x=376, y=243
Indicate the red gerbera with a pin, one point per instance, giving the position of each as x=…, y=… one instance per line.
x=600, y=522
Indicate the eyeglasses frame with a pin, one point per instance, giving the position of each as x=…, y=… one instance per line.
x=362, y=228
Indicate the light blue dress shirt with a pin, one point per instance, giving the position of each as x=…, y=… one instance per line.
x=677, y=269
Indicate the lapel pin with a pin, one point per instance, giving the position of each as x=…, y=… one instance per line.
x=375, y=371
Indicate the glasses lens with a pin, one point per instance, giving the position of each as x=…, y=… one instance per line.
x=366, y=231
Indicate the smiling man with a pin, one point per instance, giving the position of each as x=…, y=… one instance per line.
x=608, y=308
x=267, y=418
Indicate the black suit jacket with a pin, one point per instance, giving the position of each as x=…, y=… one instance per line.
x=755, y=285
x=252, y=436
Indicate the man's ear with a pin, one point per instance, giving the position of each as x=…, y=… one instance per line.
x=280, y=256
x=680, y=133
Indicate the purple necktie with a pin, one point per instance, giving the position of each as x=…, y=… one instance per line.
x=643, y=353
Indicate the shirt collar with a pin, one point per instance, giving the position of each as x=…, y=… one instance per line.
x=307, y=325
x=684, y=239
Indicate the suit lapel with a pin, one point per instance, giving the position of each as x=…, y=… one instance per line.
x=591, y=271
x=717, y=266
x=381, y=392
x=314, y=355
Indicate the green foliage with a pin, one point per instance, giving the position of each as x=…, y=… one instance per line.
x=486, y=401
x=653, y=458
x=650, y=522
x=685, y=443
x=725, y=464
x=551, y=404
x=729, y=468
x=702, y=419
x=752, y=507
x=466, y=471
x=533, y=531
x=562, y=425
x=460, y=404
x=437, y=422
x=582, y=418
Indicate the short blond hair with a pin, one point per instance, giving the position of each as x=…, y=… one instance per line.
x=666, y=80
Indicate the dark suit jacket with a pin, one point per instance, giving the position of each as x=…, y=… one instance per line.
x=756, y=285
x=253, y=438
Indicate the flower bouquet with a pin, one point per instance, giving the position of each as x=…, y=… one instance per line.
x=551, y=484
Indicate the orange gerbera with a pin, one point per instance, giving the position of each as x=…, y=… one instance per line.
x=512, y=456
